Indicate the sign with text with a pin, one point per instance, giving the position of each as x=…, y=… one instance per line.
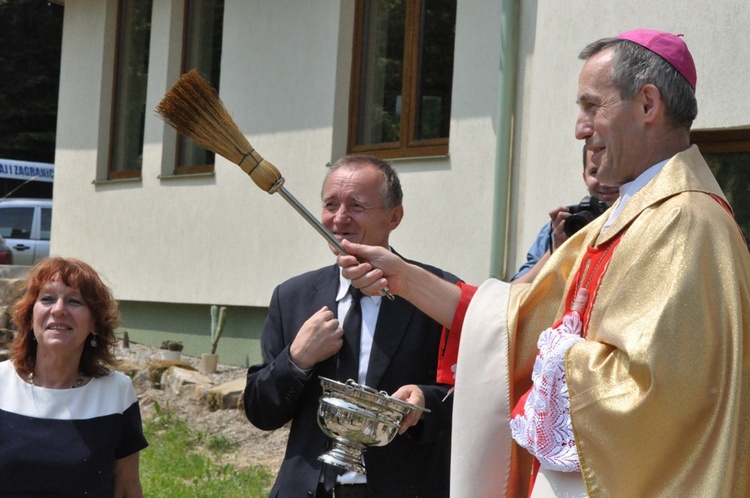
x=25, y=170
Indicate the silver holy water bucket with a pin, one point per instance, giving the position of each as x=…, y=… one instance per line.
x=356, y=416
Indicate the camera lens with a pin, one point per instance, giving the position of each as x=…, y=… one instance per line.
x=577, y=221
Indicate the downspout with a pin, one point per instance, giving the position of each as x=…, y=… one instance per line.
x=504, y=149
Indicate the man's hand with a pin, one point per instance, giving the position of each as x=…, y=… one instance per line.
x=580, y=301
x=413, y=395
x=558, y=216
x=319, y=338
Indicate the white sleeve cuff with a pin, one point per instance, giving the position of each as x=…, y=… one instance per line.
x=545, y=429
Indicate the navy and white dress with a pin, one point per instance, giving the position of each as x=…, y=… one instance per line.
x=64, y=442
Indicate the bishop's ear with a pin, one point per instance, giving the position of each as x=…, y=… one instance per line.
x=650, y=101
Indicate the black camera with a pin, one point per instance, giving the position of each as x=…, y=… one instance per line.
x=582, y=213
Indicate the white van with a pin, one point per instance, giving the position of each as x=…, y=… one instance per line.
x=25, y=224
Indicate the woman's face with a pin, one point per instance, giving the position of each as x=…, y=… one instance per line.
x=61, y=319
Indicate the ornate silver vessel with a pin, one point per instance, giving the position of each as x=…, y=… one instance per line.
x=356, y=416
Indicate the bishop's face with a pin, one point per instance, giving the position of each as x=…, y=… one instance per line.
x=610, y=126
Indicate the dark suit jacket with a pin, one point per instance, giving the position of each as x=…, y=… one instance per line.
x=405, y=351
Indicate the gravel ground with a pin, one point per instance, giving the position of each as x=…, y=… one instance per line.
x=250, y=446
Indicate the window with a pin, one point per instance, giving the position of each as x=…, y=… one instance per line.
x=728, y=155
x=402, y=77
x=46, y=227
x=204, y=22
x=131, y=77
x=16, y=222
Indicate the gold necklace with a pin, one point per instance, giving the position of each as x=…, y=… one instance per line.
x=78, y=382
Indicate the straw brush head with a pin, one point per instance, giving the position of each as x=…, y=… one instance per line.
x=193, y=108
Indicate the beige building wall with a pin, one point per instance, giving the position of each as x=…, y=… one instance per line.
x=285, y=78
x=218, y=239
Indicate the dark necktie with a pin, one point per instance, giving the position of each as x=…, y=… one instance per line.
x=347, y=365
x=348, y=362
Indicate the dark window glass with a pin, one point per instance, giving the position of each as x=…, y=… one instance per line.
x=131, y=78
x=15, y=223
x=204, y=24
x=732, y=171
x=46, y=224
x=381, y=84
x=436, y=59
x=727, y=153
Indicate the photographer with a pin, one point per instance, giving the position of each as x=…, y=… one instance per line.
x=555, y=232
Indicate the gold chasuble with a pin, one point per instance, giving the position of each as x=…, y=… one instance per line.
x=660, y=389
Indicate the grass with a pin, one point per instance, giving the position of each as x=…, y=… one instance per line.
x=172, y=467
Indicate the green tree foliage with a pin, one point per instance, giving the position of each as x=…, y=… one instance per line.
x=30, y=46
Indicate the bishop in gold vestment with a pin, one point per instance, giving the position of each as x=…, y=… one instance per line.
x=660, y=390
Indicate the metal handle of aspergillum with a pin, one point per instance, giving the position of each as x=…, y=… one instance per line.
x=283, y=192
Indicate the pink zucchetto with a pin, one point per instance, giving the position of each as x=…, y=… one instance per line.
x=670, y=47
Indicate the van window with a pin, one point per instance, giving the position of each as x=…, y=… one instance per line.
x=15, y=223
x=46, y=223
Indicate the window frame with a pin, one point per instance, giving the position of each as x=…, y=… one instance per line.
x=408, y=145
x=721, y=141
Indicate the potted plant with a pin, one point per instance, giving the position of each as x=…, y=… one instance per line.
x=209, y=361
x=171, y=350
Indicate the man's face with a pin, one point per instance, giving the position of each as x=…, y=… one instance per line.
x=353, y=206
x=590, y=178
x=609, y=125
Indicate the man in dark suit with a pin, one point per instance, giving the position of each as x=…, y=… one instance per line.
x=397, y=353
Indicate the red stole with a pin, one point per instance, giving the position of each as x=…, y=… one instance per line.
x=589, y=276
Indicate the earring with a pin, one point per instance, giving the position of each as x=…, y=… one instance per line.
x=93, y=341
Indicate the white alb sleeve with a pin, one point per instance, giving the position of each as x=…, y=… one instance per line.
x=545, y=429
